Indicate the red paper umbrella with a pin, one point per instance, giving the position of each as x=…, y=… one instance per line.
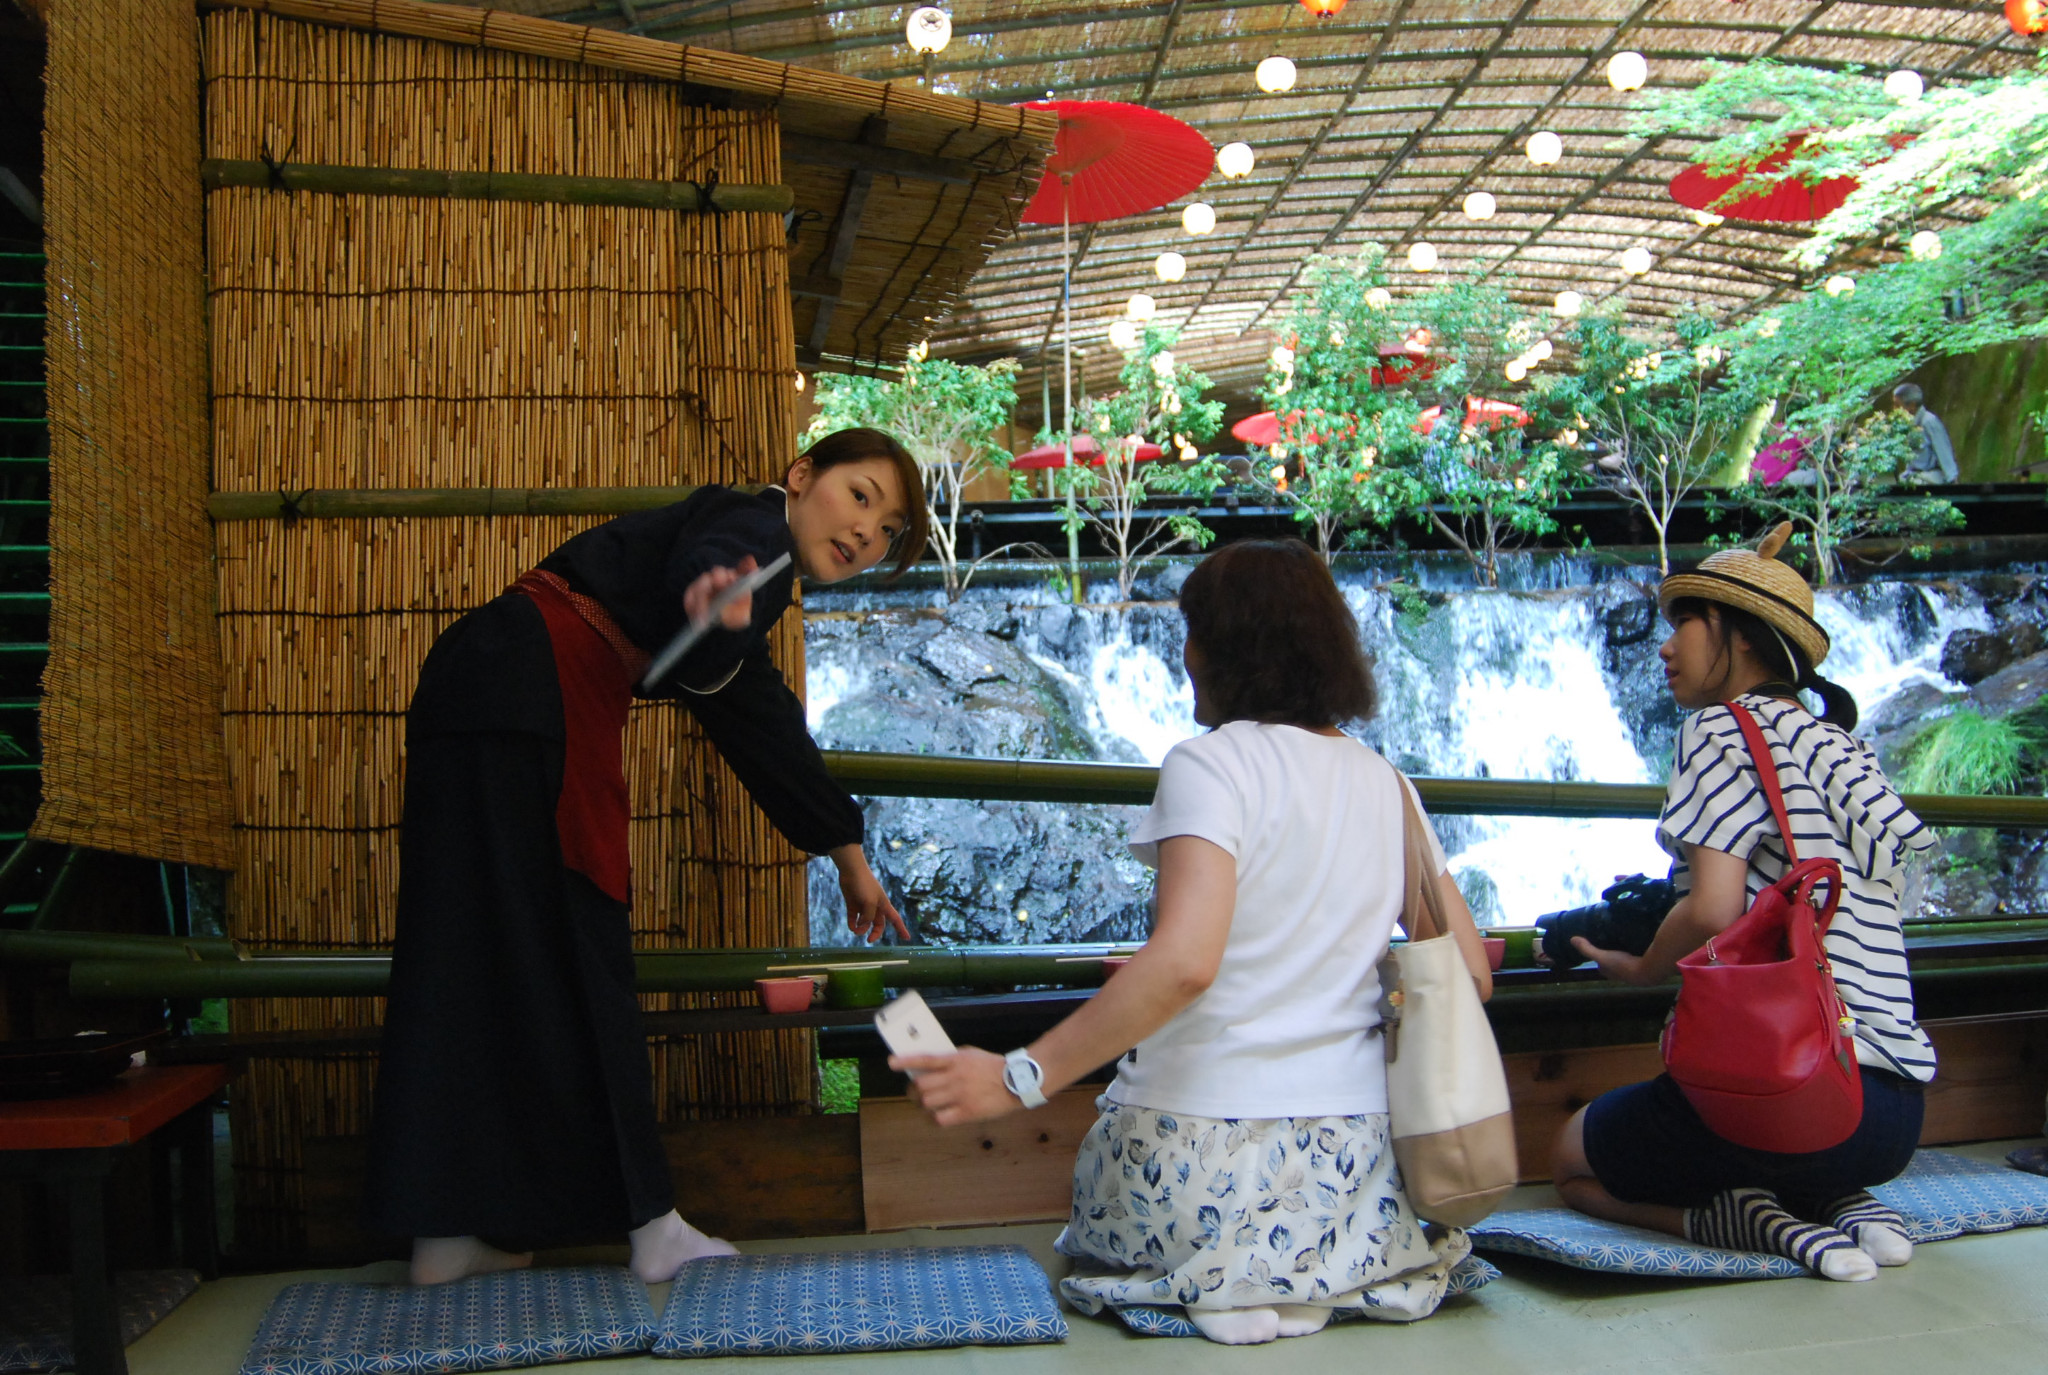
x=1111, y=159
x=1262, y=429
x=1086, y=452
x=1478, y=411
x=1789, y=201
x=1401, y=363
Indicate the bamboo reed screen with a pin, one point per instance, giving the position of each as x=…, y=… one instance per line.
x=374, y=342
x=132, y=757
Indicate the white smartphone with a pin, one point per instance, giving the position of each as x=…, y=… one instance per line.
x=909, y=1027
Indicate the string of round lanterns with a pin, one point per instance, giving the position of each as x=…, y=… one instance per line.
x=1170, y=267
x=1568, y=304
x=1234, y=159
x=1422, y=257
x=1545, y=148
x=1480, y=205
x=1636, y=261
x=1198, y=218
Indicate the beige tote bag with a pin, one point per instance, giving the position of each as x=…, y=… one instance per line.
x=1454, y=1136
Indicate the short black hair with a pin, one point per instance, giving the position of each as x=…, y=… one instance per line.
x=1276, y=640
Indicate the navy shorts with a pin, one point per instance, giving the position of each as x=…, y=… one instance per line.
x=1647, y=1145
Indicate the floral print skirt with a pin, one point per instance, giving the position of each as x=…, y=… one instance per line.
x=1238, y=1213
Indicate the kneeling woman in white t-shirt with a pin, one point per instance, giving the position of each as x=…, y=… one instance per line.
x=1242, y=1166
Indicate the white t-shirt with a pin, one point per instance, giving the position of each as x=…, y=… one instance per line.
x=1290, y=1026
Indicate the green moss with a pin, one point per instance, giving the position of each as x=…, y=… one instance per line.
x=1968, y=753
x=839, y=1085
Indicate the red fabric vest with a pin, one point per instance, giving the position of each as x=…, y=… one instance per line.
x=594, y=812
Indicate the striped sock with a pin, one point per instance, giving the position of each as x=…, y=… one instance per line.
x=1754, y=1220
x=1878, y=1231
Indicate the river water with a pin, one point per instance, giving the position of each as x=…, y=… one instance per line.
x=1555, y=679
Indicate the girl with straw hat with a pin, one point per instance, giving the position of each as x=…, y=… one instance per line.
x=1743, y=631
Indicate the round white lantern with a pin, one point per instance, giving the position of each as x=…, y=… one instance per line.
x=1422, y=257
x=1480, y=205
x=1904, y=85
x=1627, y=71
x=1274, y=75
x=1141, y=307
x=1568, y=304
x=1379, y=298
x=1198, y=218
x=1924, y=245
x=930, y=29
x=1234, y=159
x=1170, y=267
x=1841, y=284
x=1545, y=148
x=1125, y=334
x=1636, y=261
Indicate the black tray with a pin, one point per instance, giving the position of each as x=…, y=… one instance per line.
x=60, y=1065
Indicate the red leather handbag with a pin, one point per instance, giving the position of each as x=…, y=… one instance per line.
x=1761, y=1041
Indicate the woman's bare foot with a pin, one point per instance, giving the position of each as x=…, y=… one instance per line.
x=667, y=1244
x=437, y=1260
x=1236, y=1326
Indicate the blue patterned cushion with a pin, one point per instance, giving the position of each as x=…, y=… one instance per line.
x=35, y=1315
x=1940, y=1196
x=1585, y=1243
x=859, y=1301
x=485, y=1322
x=1150, y=1321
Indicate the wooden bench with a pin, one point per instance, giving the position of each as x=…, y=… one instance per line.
x=75, y=1142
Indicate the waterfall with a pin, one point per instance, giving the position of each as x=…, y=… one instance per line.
x=1557, y=683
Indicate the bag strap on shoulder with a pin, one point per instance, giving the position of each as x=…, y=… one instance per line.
x=1767, y=774
x=1422, y=912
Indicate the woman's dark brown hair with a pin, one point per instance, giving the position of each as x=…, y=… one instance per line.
x=1776, y=652
x=858, y=445
x=1275, y=639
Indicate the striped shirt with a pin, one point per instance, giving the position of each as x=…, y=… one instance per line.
x=1841, y=807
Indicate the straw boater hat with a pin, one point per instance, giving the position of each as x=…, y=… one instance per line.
x=1754, y=581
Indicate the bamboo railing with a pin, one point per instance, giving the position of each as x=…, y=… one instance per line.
x=635, y=192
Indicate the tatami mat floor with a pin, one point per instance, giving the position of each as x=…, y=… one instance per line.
x=1976, y=1305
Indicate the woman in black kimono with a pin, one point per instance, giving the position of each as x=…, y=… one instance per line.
x=514, y=1097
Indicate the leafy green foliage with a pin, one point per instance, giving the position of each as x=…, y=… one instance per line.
x=1336, y=427
x=947, y=414
x=839, y=1085
x=1968, y=752
x=1986, y=139
x=1638, y=416
x=1159, y=399
x=1854, y=492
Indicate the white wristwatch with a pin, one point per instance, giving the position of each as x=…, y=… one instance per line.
x=1023, y=1077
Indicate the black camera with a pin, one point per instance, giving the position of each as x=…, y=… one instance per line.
x=1626, y=918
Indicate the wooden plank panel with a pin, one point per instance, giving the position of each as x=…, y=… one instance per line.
x=1019, y=1169
x=751, y=1179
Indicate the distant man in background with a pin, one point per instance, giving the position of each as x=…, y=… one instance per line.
x=1936, y=461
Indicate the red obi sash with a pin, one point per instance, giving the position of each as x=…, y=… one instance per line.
x=595, y=664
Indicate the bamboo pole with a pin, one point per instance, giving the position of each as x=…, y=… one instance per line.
x=330, y=503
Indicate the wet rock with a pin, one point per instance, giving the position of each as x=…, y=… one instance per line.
x=1970, y=656
x=2013, y=689
x=1893, y=726
x=966, y=683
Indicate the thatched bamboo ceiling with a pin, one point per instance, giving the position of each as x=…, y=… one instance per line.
x=1402, y=107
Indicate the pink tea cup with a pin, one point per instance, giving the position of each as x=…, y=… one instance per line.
x=786, y=995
